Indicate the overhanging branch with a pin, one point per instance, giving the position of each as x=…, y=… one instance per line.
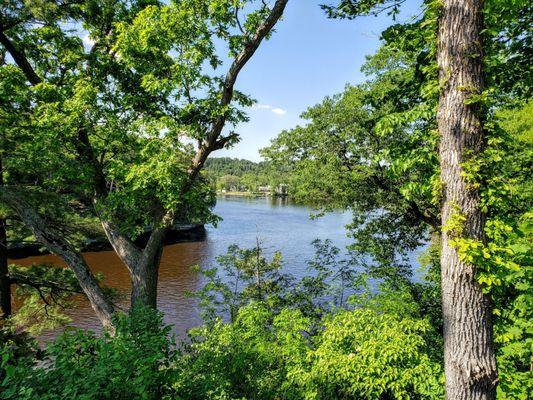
x=20, y=58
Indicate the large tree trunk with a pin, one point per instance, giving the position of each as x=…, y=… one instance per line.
x=470, y=364
x=5, y=282
x=144, y=275
x=143, y=265
x=144, y=285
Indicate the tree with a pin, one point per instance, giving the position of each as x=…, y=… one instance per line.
x=386, y=129
x=102, y=130
x=5, y=284
x=229, y=182
x=469, y=357
x=369, y=150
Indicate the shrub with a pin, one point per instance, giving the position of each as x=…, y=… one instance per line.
x=78, y=365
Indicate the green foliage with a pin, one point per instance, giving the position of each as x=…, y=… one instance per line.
x=44, y=292
x=149, y=85
x=14, y=346
x=116, y=126
x=357, y=354
x=514, y=298
x=505, y=263
x=118, y=116
x=363, y=354
x=514, y=322
x=220, y=166
x=285, y=339
x=262, y=354
x=231, y=175
x=308, y=349
x=132, y=364
x=244, y=359
x=354, y=8
x=373, y=150
x=247, y=275
x=303, y=341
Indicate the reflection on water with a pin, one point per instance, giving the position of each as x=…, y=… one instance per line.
x=278, y=225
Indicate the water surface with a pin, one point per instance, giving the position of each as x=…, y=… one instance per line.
x=276, y=223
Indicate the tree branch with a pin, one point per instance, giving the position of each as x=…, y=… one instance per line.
x=55, y=242
x=20, y=58
x=229, y=82
x=21, y=279
x=127, y=251
x=214, y=142
x=413, y=207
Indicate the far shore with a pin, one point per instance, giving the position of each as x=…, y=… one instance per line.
x=249, y=194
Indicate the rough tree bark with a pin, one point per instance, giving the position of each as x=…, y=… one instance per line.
x=470, y=365
x=5, y=281
x=145, y=272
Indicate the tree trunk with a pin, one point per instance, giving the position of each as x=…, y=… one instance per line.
x=145, y=273
x=5, y=282
x=469, y=358
x=144, y=285
x=143, y=265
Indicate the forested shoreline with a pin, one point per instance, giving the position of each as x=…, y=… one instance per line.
x=120, y=133
x=244, y=177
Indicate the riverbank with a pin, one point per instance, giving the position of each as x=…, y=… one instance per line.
x=255, y=195
x=177, y=234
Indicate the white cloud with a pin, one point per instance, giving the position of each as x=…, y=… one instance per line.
x=279, y=111
x=275, y=110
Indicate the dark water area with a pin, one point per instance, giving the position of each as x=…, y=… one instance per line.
x=276, y=223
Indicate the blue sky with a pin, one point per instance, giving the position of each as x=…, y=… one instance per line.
x=308, y=58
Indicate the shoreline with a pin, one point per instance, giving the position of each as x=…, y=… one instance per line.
x=250, y=194
x=177, y=234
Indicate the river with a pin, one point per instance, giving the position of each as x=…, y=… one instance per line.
x=277, y=223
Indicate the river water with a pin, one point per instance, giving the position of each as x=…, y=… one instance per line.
x=278, y=224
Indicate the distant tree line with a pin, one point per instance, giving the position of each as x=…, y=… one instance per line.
x=239, y=175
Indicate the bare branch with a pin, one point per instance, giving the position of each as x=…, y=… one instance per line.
x=238, y=21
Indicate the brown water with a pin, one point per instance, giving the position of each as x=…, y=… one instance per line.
x=278, y=225
x=176, y=279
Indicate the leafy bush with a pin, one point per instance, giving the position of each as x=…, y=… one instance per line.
x=78, y=365
x=244, y=359
x=365, y=355
x=359, y=354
